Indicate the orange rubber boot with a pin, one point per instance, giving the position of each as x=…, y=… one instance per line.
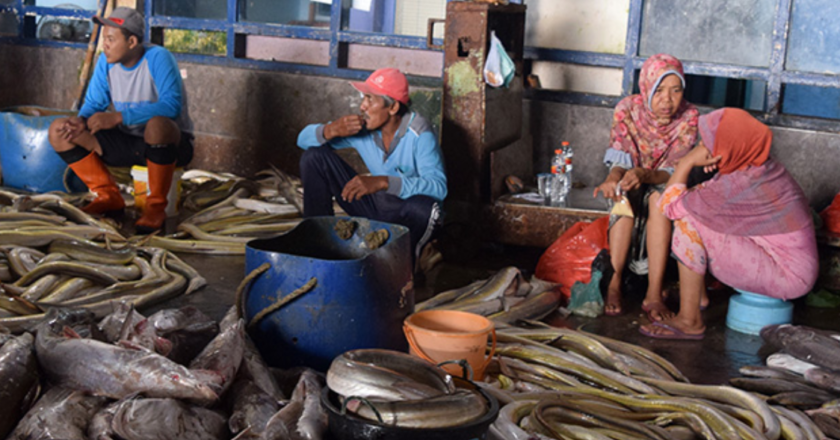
x=154, y=214
x=99, y=181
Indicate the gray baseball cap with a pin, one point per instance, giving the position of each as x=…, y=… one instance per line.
x=124, y=18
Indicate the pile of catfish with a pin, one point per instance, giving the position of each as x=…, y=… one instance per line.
x=174, y=375
x=803, y=373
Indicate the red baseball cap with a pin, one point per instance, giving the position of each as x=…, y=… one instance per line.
x=388, y=82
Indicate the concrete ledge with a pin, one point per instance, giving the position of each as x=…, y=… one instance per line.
x=532, y=225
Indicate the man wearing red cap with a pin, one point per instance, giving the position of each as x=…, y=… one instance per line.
x=406, y=184
x=148, y=125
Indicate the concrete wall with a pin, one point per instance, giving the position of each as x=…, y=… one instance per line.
x=39, y=76
x=811, y=157
x=245, y=119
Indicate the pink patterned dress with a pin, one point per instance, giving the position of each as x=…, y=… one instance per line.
x=782, y=266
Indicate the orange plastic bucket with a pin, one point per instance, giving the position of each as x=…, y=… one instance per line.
x=450, y=335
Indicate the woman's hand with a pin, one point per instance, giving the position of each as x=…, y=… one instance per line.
x=632, y=179
x=699, y=156
x=608, y=189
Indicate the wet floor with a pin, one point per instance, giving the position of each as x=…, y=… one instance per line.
x=713, y=360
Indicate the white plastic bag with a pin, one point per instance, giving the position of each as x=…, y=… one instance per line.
x=499, y=68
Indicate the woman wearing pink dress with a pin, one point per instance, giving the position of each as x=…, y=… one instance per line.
x=750, y=225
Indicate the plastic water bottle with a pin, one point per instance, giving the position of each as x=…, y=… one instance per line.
x=557, y=162
x=558, y=184
x=568, y=155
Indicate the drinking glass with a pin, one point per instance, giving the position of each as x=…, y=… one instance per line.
x=544, y=185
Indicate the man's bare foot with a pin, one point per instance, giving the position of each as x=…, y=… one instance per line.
x=657, y=311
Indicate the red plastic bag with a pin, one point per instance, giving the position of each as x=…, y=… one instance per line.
x=831, y=216
x=569, y=258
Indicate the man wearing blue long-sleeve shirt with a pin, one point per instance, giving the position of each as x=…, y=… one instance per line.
x=407, y=183
x=147, y=125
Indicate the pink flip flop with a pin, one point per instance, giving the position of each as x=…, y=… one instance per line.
x=676, y=333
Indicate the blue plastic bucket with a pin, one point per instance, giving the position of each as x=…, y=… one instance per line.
x=28, y=160
x=750, y=312
x=360, y=299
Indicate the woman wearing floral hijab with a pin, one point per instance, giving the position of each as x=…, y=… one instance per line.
x=750, y=225
x=651, y=131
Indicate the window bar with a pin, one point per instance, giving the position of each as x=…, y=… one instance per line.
x=386, y=40
x=58, y=12
x=20, y=14
x=232, y=16
x=724, y=70
x=810, y=78
x=148, y=6
x=335, y=29
x=186, y=23
x=285, y=30
x=631, y=48
x=18, y=9
x=582, y=58
x=777, y=57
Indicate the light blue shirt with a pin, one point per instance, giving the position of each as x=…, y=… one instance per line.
x=150, y=88
x=414, y=164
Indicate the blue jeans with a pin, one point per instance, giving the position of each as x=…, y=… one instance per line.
x=324, y=175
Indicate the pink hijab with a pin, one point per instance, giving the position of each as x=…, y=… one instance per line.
x=752, y=194
x=635, y=130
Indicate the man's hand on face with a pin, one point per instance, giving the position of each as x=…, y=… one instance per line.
x=72, y=128
x=344, y=126
x=104, y=121
x=363, y=185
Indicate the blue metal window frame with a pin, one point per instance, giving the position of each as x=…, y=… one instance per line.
x=775, y=75
x=334, y=35
x=18, y=8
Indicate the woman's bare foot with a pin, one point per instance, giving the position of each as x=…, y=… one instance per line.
x=674, y=329
x=669, y=289
x=657, y=311
x=613, y=305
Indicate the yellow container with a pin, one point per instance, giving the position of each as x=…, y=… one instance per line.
x=450, y=335
x=140, y=176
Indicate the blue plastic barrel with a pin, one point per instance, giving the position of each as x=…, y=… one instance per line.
x=749, y=312
x=360, y=300
x=28, y=160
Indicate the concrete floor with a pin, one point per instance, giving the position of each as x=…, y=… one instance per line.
x=711, y=361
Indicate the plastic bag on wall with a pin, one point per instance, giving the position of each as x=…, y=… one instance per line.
x=499, y=68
